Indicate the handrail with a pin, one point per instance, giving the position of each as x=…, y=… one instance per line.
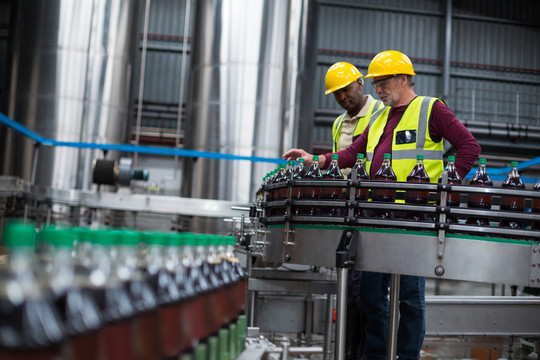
x=131, y=148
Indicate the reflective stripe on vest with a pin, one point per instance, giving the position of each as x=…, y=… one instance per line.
x=360, y=124
x=415, y=119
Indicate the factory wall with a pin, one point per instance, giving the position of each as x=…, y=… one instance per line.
x=494, y=59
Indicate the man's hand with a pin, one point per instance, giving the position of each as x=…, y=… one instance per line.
x=294, y=154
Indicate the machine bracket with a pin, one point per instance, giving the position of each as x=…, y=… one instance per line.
x=535, y=266
x=346, y=250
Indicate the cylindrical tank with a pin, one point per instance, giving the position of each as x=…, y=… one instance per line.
x=70, y=80
x=251, y=79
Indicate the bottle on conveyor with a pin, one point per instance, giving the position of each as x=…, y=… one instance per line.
x=30, y=327
x=417, y=175
x=166, y=290
x=312, y=192
x=116, y=339
x=512, y=203
x=480, y=200
x=283, y=193
x=128, y=268
x=452, y=198
x=332, y=193
x=385, y=173
x=79, y=313
x=361, y=194
x=299, y=173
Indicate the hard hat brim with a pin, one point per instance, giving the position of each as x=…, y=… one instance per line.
x=335, y=88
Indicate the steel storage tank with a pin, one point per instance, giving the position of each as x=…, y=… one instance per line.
x=250, y=92
x=70, y=80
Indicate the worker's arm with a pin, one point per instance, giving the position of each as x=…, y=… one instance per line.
x=444, y=124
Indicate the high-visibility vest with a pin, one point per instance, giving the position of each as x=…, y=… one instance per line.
x=410, y=137
x=360, y=125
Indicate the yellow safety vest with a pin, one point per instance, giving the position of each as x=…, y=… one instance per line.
x=410, y=137
x=360, y=125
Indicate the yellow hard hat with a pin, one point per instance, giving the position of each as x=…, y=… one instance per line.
x=390, y=62
x=340, y=75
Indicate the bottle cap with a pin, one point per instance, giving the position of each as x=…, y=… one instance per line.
x=291, y=162
x=57, y=236
x=129, y=237
x=174, y=239
x=152, y=238
x=419, y=157
x=481, y=161
x=387, y=156
x=334, y=156
x=451, y=158
x=315, y=158
x=360, y=156
x=300, y=160
x=514, y=164
x=17, y=235
x=282, y=166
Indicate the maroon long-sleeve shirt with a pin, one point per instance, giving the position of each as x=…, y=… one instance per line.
x=442, y=125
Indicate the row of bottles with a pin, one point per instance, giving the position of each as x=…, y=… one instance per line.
x=313, y=173
x=98, y=294
x=481, y=201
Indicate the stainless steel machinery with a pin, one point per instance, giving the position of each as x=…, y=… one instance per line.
x=431, y=248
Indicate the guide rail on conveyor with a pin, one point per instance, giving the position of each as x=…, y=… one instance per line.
x=431, y=248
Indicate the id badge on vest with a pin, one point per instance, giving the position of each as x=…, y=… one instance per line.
x=405, y=137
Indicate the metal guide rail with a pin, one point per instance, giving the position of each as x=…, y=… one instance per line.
x=431, y=247
x=353, y=235
x=123, y=201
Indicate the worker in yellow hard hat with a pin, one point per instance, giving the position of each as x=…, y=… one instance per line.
x=346, y=83
x=409, y=125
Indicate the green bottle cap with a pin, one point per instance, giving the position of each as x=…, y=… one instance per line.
x=301, y=160
x=103, y=237
x=282, y=166
x=57, y=236
x=152, y=238
x=334, y=156
x=451, y=158
x=481, y=161
x=419, y=157
x=315, y=158
x=173, y=239
x=360, y=156
x=129, y=237
x=291, y=162
x=514, y=164
x=18, y=235
x=387, y=156
x=212, y=348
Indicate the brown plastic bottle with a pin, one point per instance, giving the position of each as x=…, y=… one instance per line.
x=361, y=194
x=283, y=193
x=452, y=198
x=479, y=200
x=536, y=206
x=296, y=194
x=332, y=193
x=312, y=192
x=417, y=175
x=512, y=203
x=385, y=173
x=30, y=326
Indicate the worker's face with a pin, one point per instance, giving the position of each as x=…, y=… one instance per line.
x=389, y=88
x=350, y=97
